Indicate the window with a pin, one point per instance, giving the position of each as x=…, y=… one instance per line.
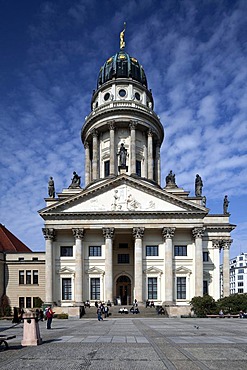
x=123, y=258
x=123, y=245
x=152, y=288
x=180, y=250
x=95, y=251
x=66, y=252
x=205, y=256
x=241, y=284
x=240, y=258
x=241, y=271
x=66, y=289
x=35, y=277
x=122, y=93
x=241, y=265
x=107, y=168
x=28, y=302
x=107, y=96
x=21, y=259
x=138, y=168
x=181, y=287
x=205, y=287
x=21, y=277
x=241, y=277
x=137, y=96
x=28, y=277
x=21, y=302
x=152, y=250
x=35, y=259
x=95, y=288
x=240, y=290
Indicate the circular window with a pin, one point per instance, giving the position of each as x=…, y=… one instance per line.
x=122, y=93
x=96, y=105
x=137, y=96
x=106, y=96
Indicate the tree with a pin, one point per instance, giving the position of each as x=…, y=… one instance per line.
x=37, y=302
x=203, y=306
x=5, y=309
x=233, y=303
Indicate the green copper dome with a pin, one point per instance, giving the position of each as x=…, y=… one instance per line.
x=121, y=65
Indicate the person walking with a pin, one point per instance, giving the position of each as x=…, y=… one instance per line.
x=99, y=313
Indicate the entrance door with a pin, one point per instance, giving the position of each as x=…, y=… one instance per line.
x=123, y=289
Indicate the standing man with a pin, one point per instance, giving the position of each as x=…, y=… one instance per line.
x=49, y=315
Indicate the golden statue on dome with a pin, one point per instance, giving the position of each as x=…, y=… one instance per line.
x=122, y=42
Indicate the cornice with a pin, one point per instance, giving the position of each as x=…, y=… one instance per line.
x=140, y=184
x=121, y=215
x=220, y=227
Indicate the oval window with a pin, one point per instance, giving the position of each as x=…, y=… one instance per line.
x=137, y=96
x=122, y=93
x=106, y=96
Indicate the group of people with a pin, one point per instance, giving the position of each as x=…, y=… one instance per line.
x=102, y=310
x=149, y=303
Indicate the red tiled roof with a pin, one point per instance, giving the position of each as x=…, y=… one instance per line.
x=10, y=243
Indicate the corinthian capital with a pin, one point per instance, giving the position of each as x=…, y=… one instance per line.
x=138, y=232
x=108, y=232
x=78, y=233
x=168, y=232
x=226, y=243
x=49, y=234
x=198, y=232
x=111, y=125
x=133, y=125
x=217, y=243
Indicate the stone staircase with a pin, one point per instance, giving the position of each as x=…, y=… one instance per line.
x=114, y=312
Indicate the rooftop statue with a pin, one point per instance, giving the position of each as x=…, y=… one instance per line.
x=76, y=181
x=170, y=180
x=198, y=186
x=122, y=42
x=51, y=188
x=225, y=205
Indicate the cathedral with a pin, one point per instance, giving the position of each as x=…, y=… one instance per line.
x=122, y=236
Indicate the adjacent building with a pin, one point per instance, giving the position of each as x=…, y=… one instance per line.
x=123, y=236
x=238, y=274
x=22, y=272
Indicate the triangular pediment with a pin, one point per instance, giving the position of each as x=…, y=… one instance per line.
x=123, y=194
x=153, y=270
x=183, y=270
x=95, y=270
x=66, y=271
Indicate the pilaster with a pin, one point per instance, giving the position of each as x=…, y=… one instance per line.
x=138, y=233
x=198, y=233
x=226, y=272
x=168, y=234
x=112, y=147
x=150, y=155
x=49, y=235
x=79, y=265
x=108, y=233
x=132, y=127
x=95, y=155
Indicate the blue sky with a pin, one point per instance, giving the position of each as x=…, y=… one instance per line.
x=194, y=55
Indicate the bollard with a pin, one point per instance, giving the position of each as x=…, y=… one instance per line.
x=31, y=333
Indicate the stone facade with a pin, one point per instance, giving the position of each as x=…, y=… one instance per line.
x=122, y=236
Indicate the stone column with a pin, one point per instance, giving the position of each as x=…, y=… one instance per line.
x=150, y=155
x=95, y=156
x=226, y=272
x=168, y=234
x=197, y=233
x=49, y=235
x=138, y=233
x=108, y=233
x=79, y=265
x=112, y=147
x=87, y=164
x=132, y=126
x=157, y=163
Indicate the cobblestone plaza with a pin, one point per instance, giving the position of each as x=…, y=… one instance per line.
x=131, y=343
